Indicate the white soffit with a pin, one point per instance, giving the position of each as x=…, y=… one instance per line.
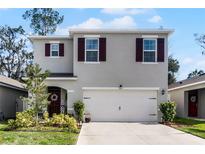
x=150, y=36
x=91, y=36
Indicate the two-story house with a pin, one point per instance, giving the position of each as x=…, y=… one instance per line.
x=120, y=75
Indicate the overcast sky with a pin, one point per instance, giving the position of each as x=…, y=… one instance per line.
x=182, y=44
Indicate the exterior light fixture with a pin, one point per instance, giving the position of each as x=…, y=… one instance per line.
x=163, y=92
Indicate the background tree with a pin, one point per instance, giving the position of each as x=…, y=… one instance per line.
x=14, y=56
x=173, y=68
x=44, y=21
x=37, y=89
x=195, y=73
x=201, y=41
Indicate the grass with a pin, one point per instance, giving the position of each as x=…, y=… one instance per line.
x=34, y=136
x=192, y=126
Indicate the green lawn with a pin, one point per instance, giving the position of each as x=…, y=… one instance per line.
x=48, y=137
x=192, y=126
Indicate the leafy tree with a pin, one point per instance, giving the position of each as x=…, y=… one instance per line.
x=37, y=89
x=195, y=73
x=201, y=41
x=14, y=56
x=173, y=68
x=44, y=21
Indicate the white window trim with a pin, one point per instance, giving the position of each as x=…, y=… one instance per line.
x=155, y=62
x=90, y=62
x=91, y=36
x=51, y=56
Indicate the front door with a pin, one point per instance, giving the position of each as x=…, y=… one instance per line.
x=192, y=101
x=55, y=100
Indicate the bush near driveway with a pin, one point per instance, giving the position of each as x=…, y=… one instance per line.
x=168, y=110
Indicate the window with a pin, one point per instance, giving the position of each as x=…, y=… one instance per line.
x=91, y=49
x=150, y=50
x=55, y=50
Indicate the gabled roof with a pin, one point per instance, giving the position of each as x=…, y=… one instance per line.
x=11, y=83
x=188, y=82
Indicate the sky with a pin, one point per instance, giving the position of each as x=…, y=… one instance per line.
x=182, y=44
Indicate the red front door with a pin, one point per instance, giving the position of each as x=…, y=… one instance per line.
x=55, y=100
x=192, y=101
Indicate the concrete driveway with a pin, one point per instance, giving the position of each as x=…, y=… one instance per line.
x=133, y=133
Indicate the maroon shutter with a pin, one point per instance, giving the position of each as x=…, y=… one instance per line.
x=102, y=49
x=139, y=49
x=81, y=49
x=160, y=49
x=47, y=49
x=61, y=49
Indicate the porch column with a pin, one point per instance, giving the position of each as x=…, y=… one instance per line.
x=69, y=106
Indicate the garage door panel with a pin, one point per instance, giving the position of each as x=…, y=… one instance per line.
x=121, y=105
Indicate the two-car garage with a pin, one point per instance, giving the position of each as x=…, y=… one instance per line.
x=121, y=104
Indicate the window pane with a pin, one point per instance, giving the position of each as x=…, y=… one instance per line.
x=91, y=56
x=149, y=44
x=92, y=44
x=149, y=56
x=54, y=53
x=54, y=47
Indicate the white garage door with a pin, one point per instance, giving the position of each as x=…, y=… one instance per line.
x=121, y=105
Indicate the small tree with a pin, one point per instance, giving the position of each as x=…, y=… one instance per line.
x=79, y=108
x=37, y=89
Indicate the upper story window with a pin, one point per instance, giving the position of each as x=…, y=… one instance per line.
x=150, y=50
x=91, y=49
x=55, y=50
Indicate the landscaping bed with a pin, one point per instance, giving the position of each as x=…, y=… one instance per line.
x=37, y=135
x=193, y=126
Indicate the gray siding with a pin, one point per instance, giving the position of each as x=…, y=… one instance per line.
x=201, y=103
x=55, y=65
x=180, y=96
x=120, y=67
x=8, y=99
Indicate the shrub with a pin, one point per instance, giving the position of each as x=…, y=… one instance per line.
x=71, y=123
x=11, y=124
x=23, y=119
x=79, y=108
x=168, y=110
x=62, y=120
x=46, y=118
x=58, y=120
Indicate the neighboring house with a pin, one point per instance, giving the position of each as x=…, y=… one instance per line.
x=189, y=96
x=120, y=75
x=10, y=91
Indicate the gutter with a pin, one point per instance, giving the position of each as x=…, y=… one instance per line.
x=188, y=85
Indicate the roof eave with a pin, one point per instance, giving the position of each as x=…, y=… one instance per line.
x=37, y=37
x=141, y=31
